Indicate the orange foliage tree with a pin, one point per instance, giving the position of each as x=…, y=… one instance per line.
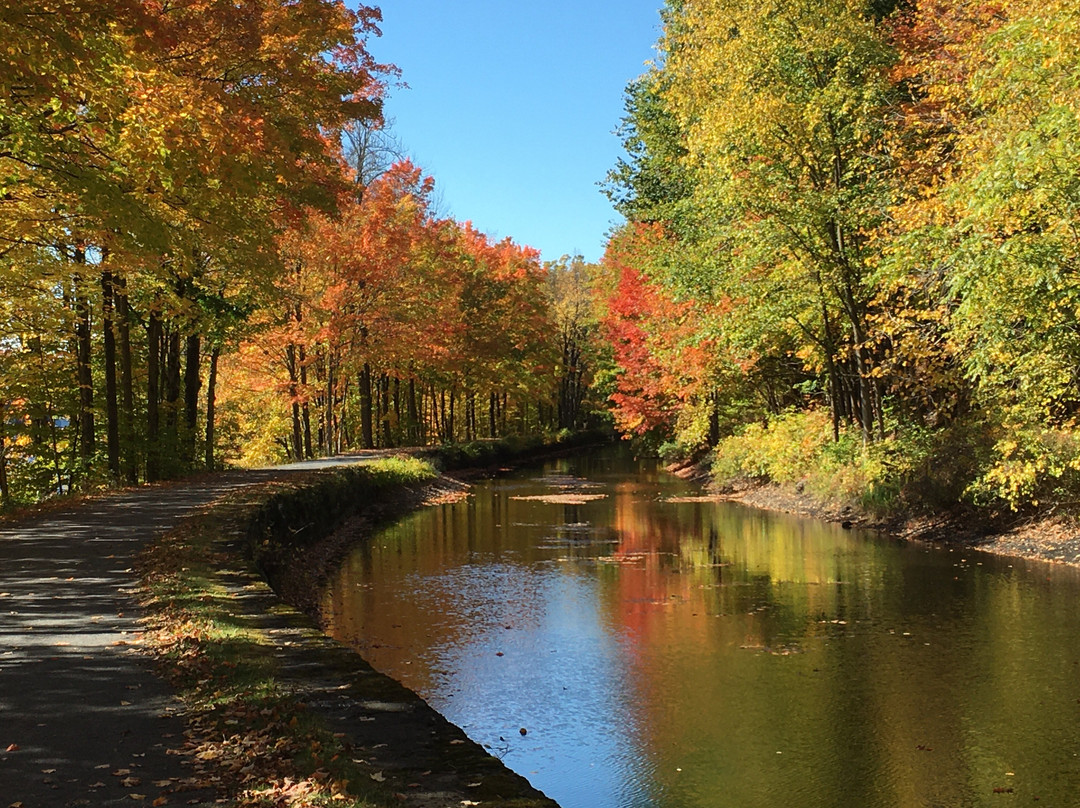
x=399, y=328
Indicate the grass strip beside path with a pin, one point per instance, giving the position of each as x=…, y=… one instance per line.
x=278, y=714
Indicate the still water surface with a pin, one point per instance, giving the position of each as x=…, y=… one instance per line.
x=671, y=653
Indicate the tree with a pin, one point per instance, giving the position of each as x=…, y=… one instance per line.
x=149, y=156
x=574, y=311
x=784, y=107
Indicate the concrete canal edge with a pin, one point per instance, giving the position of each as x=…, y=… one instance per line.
x=271, y=546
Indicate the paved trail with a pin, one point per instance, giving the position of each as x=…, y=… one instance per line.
x=83, y=720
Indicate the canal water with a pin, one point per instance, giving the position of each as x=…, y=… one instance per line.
x=663, y=651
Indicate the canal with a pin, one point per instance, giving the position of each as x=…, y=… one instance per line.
x=623, y=642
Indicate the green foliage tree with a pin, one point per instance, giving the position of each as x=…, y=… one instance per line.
x=785, y=106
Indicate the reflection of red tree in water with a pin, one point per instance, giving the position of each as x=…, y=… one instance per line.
x=669, y=580
x=650, y=579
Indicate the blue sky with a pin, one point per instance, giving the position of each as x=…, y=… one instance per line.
x=511, y=107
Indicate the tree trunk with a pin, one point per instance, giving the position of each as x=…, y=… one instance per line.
x=834, y=396
x=305, y=411
x=344, y=419
x=5, y=490
x=714, y=419
x=211, y=401
x=129, y=451
x=171, y=451
x=192, y=383
x=384, y=394
x=294, y=396
x=398, y=420
x=415, y=429
x=153, y=396
x=44, y=436
x=879, y=408
x=450, y=431
x=112, y=407
x=331, y=405
x=367, y=435
x=866, y=415
x=83, y=338
x=440, y=414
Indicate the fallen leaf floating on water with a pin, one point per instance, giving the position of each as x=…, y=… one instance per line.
x=12, y=748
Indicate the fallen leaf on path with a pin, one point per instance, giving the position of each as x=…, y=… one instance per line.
x=12, y=748
x=130, y=782
x=378, y=777
x=160, y=801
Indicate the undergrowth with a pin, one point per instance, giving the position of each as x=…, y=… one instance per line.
x=983, y=460
x=798, y=449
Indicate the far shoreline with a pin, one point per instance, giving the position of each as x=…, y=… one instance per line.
x=1040, y=536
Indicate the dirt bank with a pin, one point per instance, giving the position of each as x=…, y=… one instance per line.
x=1045, y=536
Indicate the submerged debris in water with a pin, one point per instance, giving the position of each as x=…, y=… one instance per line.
x=562, y=499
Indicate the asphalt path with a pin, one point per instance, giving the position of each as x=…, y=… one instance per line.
x=83, y=718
